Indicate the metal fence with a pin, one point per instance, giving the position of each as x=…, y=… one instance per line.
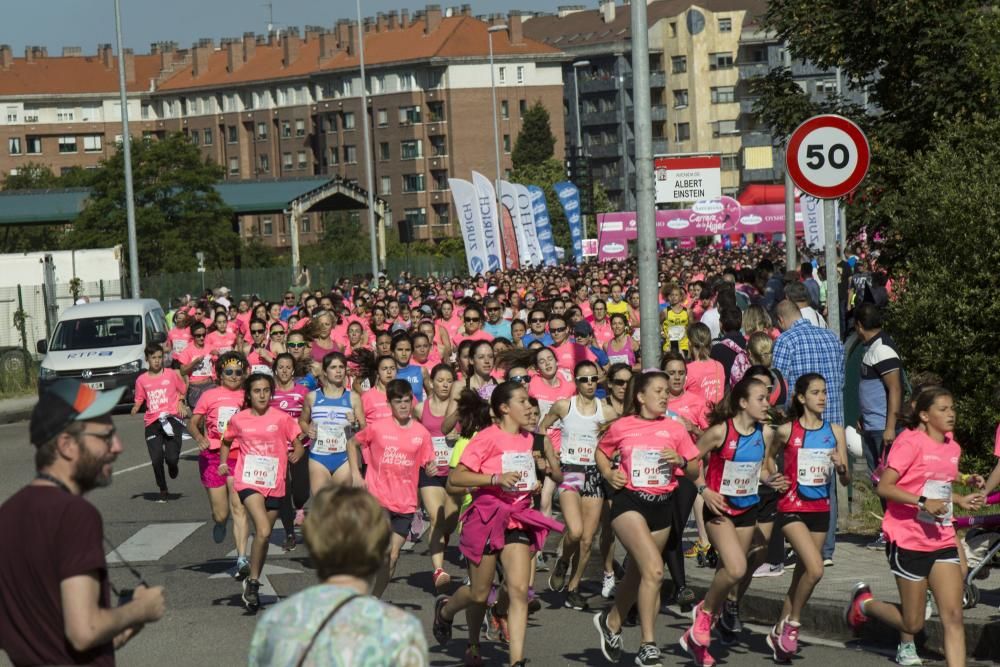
x=270, y=283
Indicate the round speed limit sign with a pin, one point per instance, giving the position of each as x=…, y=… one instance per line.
x=827, y=156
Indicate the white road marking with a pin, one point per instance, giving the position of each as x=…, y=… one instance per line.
x=149, y=463
x=268, y=595
x=277, y=539
x=153, y=542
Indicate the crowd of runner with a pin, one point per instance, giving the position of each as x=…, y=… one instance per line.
x=482, y=403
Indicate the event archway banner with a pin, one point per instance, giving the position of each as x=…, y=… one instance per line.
x=724, y=216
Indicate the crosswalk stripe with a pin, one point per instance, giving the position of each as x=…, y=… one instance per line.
x=153, y=542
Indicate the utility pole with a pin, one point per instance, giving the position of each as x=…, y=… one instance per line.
x=133, y=245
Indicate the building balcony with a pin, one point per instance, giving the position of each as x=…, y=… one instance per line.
x=598, y=85
x=605, y=150
x=435, y=127
x=614, y=183
x=660, y=147
x=599, y=118
x=658, y=112
x=751, y=70
x=656, y=80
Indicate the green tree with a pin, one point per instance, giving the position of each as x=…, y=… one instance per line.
x=535, y=143
x=178, y=210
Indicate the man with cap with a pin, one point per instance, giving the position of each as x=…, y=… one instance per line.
x=495, y=324
x=56, y=604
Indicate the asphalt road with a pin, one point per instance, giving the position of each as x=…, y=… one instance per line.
x=206, y=623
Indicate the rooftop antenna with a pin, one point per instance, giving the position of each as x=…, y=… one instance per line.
x=270, y=16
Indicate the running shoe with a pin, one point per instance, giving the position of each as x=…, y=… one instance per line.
x=172, y=470
x=769, y=570
x=441, y=628
x=699, y=654
x=788, y=639
x=473, y=656
x=440, y=578
x=541, y=562
x=648, y=656
x=906, y=654
x=695, y=549
x=685, y=599
x=729, y=619
x=773, y=640
x=162, y=497
x=827, y=562
x=491, y=625
x=878, y=544
x=701, y=628
x=557, y=577
x=242, y=568
x=251, y=595
x=219, y=532
x=608, y=586
x=534, y=604
x=611, y=642
x=855, y=612
x=504, y=629
x=575, y=601
x=290, y=542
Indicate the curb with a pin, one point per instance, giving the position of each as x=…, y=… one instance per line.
x=15, y=415
x=825, y=618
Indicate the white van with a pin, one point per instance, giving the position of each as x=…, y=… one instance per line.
x=102, y=344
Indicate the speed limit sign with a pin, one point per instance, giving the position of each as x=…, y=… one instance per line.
x=827, y=156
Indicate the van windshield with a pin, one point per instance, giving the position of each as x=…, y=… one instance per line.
x=96, y=332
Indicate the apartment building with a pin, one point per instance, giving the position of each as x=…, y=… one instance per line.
x=693, y=76
x=289, y=104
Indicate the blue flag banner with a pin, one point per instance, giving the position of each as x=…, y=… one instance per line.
x=543, y=225
x=569, y=197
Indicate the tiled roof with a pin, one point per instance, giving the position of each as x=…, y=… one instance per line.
x=73, y=75
x=455, y=37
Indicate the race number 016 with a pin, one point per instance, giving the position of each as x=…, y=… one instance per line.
x=827, y=156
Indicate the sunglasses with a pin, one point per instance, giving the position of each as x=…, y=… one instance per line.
x=537, y=320
x=618, y=382
x=520, y=379
x=493, y=310
x=296, y=345
x=278, y=332
x=472, y=319
x=230, y=372
x=557, y=329
x=256, y=331
x=590, y=379
x=198, y=335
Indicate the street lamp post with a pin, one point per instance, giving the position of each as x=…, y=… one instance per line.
x=373, y=229
x=580, y=152
x=133, y=244
x=496, y=128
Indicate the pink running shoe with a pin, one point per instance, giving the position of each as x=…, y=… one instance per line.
x=701, y=629
x=699, y=654
x=854, y=614
x=773, y=640
x=789, y=639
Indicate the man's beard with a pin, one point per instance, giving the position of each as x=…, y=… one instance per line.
x=89, y=473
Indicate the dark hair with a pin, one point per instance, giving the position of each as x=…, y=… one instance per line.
x=473, y=413
x=729, y=406
x=478, y=344
x=400, y=337
x=801, y=387
x=614, y=369
x=196, y=324
x=669, y=356
x=586, y=363
x=868, y=316
x=922, y=402
x=473, y=307
x=257, y=320
x=442, y=367
x=226, y=357
x=397, y=389
x=619, y=316
x=151, y=349
x=730, y=319
x=636, y=386
x=806, y=268
x=502, y=395
x=253, y=378
x=330, y=357
x=283, y=355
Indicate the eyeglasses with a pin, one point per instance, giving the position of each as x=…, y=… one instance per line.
x=107, y=437
x=557, y=329
x=537, y=320
x=520, y=379
x=295, y=346
x=619, y=382
x=256, y=331
x=589, y=379
x=493, y=310
x=472, y=319
x=230, y=372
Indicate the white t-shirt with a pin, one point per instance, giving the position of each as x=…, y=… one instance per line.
x=710, y=318
x=810, y=315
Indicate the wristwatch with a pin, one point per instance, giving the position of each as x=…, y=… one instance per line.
x=701, y=488
x=921, y=501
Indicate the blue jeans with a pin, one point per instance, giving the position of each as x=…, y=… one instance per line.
x=872, y=444
x=831, y=534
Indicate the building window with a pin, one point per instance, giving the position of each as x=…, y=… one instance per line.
x=413, y=182
x=208, y=136
x=522, y=107
x=678, y=64
x=439, y=145
x=504, y=109
x=234, y=166
x=286, y=160
x=348, y=120
x=730, y=162
x=65, y=115
x=265, y=163
x=723, y=127
x=195, y=137
x=286, y=129
x=303, y=160
x=501, y=75
x=386, y=185
x=34, y=145
x=680, y=99
x=262, y=130
x=520, y=73
x=720, y=60
x=725, y=25
x=723, y=94
x=334, y=155
x=350, y=154
x=409, y=115
x=300, y=127
x=441, y=214
x=410, y=149
x=145, y=112
x=435, y=112
x=382, y=117
x=416, y=216
x=267, y=227
x=827, y=87
x=93, y=143
x=440, y=178
x=12, y=114
x=14, y=145
x=682, y=131
x=407, y=81
x=383, y=151
x=506, y=143
x=232, y=134
x=67, y=144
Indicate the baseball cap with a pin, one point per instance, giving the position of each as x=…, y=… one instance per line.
x=66, y=401
x=583, y=328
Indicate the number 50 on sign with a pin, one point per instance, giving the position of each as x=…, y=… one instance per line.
x=827, y=156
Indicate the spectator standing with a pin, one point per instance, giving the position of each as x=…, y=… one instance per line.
x=812, y=287
x=880, y=390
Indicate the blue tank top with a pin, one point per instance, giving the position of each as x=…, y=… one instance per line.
x=738, y=448
x=821, y=438
x=333, y=423
x=415, y=376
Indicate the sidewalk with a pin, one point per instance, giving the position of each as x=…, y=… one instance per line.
x=16, y=409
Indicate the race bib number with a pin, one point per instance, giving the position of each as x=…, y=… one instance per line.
x=223, y=417
x=647, y=471
x=522, y=463
x=675, y=332
x=740, y=478
x=222, y=350
x=260, y=471
x=179, y=345
x=814, y=467
x=935, y=490
x=578, y=448
x=617, y=359
x=442, y=453
x=330, y=439
x=204, y=370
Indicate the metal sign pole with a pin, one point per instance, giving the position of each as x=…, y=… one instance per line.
x=832, y=282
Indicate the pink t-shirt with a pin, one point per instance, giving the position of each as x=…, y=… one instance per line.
x=457, y=339
x=203, y=372
x=263, y=440
x=290, y=401
x=218, y=405
x=220, y=343
x=494, y=451
x=375, y=405
x=178, y=338
x=161, y=393
x=395, y=454
x=996, y=442
x=547, y=395
x=692, y=406
x=926, y=468
x=602, y=332
x=569, y=354
x=708, y=378
x=640, y=442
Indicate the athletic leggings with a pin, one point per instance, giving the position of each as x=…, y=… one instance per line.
x=673, y=556
x=163, y=447
x=298, y=493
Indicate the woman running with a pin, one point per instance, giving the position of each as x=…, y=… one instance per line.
x=617, y=380
x=498, y=466
x=440, y=505
x=298, y=347
x=581, y=494
x=619, y=349
x=916, y=484
x=162, y=390
x=480, y=376
x=328, y=417
x=652, y=448
x=261, y=436
x=548, y=387
x=402, y=352
x=374, y=373
x=735, y=447
x=211, y=416
x=812, y=447
x=704, y=374
x=290, y=399
x=196, y=365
